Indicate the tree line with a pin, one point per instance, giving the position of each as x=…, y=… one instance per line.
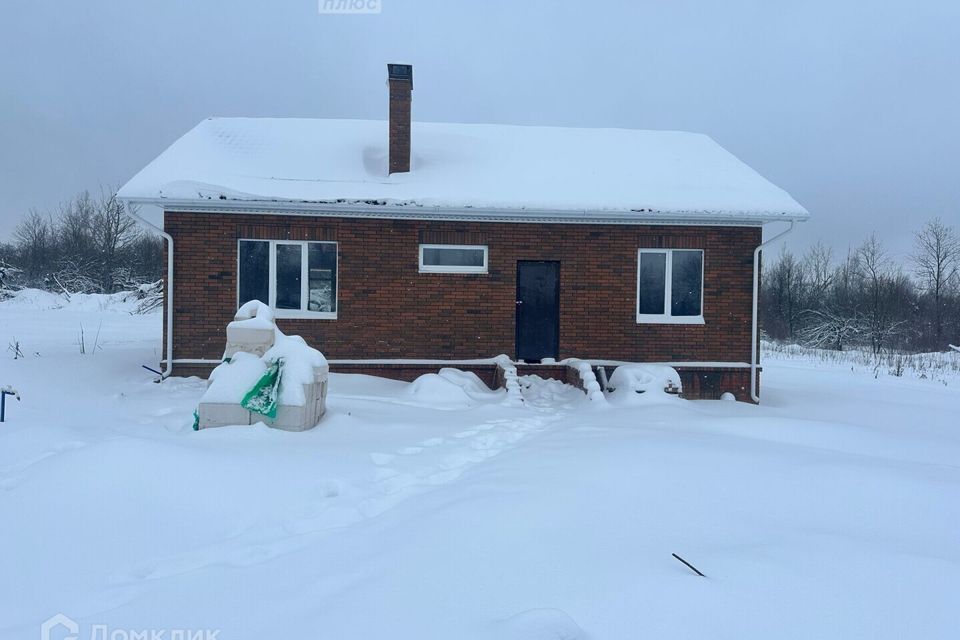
x=867, y=299
x=90, y=245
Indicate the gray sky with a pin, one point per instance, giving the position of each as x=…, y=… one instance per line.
x=852, y=107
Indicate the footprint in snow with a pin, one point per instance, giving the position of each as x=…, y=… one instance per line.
x=443, y=477
x=143, y=572
x=398, y=482
x=459, y=460
x=330, y=518
x=72, y=445
x=253, y=555
x=489, y=441
x=382, y=458
x=328, y=489
x=385, y=473
x=409, y=451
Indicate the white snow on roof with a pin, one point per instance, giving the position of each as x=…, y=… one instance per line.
x=459, y=166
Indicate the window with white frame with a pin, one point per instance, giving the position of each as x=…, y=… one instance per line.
x=297, y=279
x=670, y=286
x=453, y=258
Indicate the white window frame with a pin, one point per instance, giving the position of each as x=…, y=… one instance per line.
x=666, y=317
x=301, y=313
x=428, y=268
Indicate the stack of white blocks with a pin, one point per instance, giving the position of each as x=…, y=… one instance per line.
x=301, y=418
x=257, y=338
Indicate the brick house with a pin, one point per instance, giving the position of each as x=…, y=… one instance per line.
x=392, y=246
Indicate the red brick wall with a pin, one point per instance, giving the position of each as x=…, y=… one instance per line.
x=400, y=104
x=387, y=309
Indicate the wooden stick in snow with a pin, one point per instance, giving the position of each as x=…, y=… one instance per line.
x=693, y=568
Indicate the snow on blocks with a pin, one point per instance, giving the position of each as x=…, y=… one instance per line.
x=302, y=397
x=266, y=377
x=252, y=330
x=220, y=404
x=644, y=383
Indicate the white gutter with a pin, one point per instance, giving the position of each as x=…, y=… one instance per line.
x=392, y=211
x=168, y=286
x=754, y=356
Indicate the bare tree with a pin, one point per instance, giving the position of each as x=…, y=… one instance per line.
x=831, y=328
x=818, y=270
x=867, y=298
x=879, y=282
x=936, y=257
x=92, y=245
x=784, y=284
x=112, y=232
x=9, y=274
x=145, y=258
x=35, y=238
x=73, y=228
x=75, y=266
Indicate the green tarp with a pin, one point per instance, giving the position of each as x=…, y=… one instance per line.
x=262, y=398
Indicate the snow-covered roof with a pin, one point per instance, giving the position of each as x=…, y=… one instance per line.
x=458, y=170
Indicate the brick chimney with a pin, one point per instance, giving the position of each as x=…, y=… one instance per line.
x=400, y=79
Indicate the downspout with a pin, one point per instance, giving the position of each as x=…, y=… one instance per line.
x=168, y=286
x=754, y=356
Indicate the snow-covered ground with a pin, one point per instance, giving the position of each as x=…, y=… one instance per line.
x=942, y=367
x=831, y=511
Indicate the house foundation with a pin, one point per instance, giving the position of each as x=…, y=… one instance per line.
x=701, y=381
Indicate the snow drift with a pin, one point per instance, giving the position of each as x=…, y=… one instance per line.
x=644, y=384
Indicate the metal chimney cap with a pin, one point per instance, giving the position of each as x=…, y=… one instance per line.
x=400, y=72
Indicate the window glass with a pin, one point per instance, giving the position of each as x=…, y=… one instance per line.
x=289, y=258
x=653, y=274
x=435, y=256
x=254, y=271
x=322, y=278
x=440, y=258
x=686, y=283
x=289, y=262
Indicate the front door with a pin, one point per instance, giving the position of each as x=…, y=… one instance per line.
x=538, y=310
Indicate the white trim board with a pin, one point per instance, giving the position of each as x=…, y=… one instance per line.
x=688, y=365
x=467, y=214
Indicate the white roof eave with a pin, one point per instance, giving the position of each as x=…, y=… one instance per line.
x=469, y=214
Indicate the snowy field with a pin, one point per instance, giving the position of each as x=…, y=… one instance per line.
x=832, y=511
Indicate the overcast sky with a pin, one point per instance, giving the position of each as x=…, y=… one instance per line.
x=852, y=107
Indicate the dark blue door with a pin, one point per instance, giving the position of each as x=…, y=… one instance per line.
x=538, y=310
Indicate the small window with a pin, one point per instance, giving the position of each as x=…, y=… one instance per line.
x=670, y=286
x=453, y=258
x=297, y=279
